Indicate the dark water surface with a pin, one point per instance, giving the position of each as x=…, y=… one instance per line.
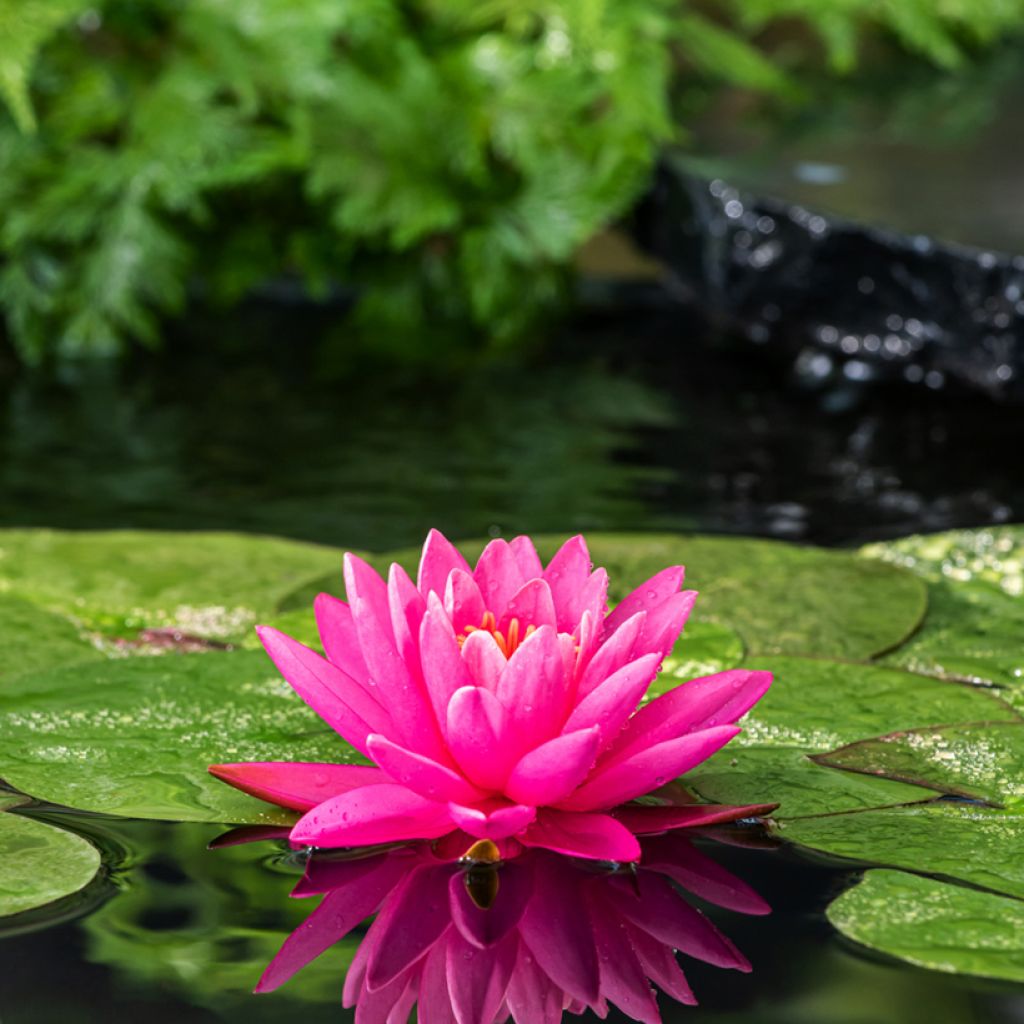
x=623, y=426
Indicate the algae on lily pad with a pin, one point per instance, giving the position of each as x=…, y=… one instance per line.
x=134, y=736
x=211, y=585
x=40, y=863
x=934, y=924
x=974, y=629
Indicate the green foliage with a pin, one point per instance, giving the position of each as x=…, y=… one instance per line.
x=445, y=159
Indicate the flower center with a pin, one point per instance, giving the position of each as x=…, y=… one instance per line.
x=507, y=642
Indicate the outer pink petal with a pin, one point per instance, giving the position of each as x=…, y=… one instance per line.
x=553, y=770
x=644, y=820
x=340, y=701
x=444, y=670
x=383, y=813
x=338, y=636
x=567, y=573
x=532, y=689
x=483, y=659
x=720, y=699
x=407, y=610
x=615, y=652
x=659, y=964
x=300, y=786
x=623, y=981
x=532, y=997
x=493, y=820
x=610, y=704
x=355, y=976
x=420, y=774
x=334, y=918
x=557, y=930
x=463, y=601
x=648, y=596
x=435, y=1004
x=478, y=978
x=478, y=737
x=325, y=874
x=531, y=604
x=593, y=836
x=593, y=597
x=498, y=575
x=526, y=557
x=439, y=558
x=617, y=782
x=665, y=623
x=402, y=694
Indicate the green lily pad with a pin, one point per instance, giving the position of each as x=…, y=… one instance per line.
x=33, y=639
x=40, y=864
x=780, y=598
x=965, y=842
x=975, y=625
x=981, y=761
x=816, y=705
x=935, y=925
x=134, y=736
x=211, y=585
x=703, y=649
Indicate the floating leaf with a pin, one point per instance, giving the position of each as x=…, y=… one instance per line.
x=134, y=736
x=703, y=649
x=975, y=624
x=982, y=761
x=780, y=598
x=32, y=639
x=40, y=864
x=935, y=925
x=212, y=585
x=969, y=843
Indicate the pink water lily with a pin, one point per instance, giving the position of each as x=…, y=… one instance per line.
x=499, y=701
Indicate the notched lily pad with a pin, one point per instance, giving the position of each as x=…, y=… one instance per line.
x=134, y=736
x=935, y=925
x=40, y=864
x=212, y=585
x=981, y=761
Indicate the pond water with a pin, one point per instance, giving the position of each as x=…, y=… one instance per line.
x=618, y=429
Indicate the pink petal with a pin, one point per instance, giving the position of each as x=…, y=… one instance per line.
x=659, y=964
x=610, y=704
x=383, y=813
x=384, y=1005
x=478, y=978
x=298, y=785
x=593, y=598
x=477, y=729
x=553, y=770
x=674, y=856
x=483, y=659
x=355, y=976
x=338, y=636
x=420, y=774
x=487, y=927
x=576, y=834
x=402, y=694
x=648, y=596
x=622, y=780
x=435, y=1005
x=526, y=557
x=492, y=820
x=644, y=820
x=325, y=874
x=531, y=604
x=413, y=919
x=623, y=981
x=652, y=904
x=463, y=601
x=336, y=916
x=532, y=998
x=615, y=652
x=336, y=697
x=498, y=575
x=407, y=610
x=557, y=930
x=532, y=689
x=720, y=699
x=665, y=623
x=439, y=558
x=444, y=670
x=567, y=573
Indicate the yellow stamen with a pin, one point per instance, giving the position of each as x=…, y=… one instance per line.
x=507, y=642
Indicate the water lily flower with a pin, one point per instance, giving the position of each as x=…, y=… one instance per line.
x=502, y=700
x=528, y=937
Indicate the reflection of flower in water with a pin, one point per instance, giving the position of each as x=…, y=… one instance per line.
x=499, y=701
x=528, y=937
